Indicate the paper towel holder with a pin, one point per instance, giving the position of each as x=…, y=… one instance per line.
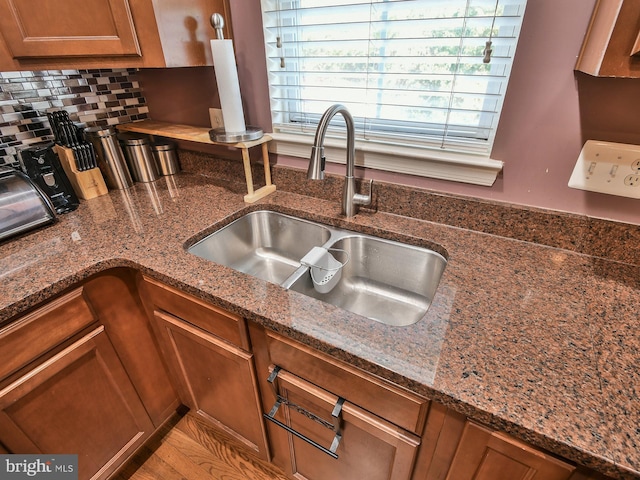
x=220, y=134
x=217, y=22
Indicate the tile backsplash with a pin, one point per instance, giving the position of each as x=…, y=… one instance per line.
x=92, y=98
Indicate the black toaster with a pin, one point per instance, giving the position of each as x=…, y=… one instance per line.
x=23, y=206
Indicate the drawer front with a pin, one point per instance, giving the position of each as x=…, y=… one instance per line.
x=38, y=332
x=217, y=321
x=330, y=438
x=387, y=401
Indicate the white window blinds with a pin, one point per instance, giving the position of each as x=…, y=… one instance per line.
x=411, y=72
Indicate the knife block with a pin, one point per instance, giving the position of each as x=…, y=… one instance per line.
x=87, y=184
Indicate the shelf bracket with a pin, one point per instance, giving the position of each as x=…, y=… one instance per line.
x=253, y=196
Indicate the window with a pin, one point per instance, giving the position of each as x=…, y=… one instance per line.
x=413, y=73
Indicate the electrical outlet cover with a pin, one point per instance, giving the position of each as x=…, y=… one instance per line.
x=607, y=167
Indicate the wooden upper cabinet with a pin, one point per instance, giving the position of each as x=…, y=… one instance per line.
x=55, y=34
x=45, y=28
x=612, y=44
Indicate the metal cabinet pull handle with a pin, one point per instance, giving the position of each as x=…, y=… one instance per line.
x=336, y=416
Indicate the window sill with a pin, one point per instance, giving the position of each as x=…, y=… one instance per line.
x=463, y=168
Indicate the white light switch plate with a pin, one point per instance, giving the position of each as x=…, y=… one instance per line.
x=607, y=167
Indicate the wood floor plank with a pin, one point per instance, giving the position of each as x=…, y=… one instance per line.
x=145, y=473
x=191, y=449
x=216, y=467
x=208, y=436
x=222, y=445
x=188, y=457
x=155, y=467
x=225, y=459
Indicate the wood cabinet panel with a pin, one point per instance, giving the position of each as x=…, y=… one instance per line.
x=78, y=34
x=32, y=335
x=78, y=401
x=440, y=440
x=115, y=300
x=484, y=454
x=217, y=321
x=54, y=28
x=387, y=401
x=215, y=379
x=369, y=447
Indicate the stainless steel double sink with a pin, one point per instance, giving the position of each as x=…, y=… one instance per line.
x=383, y=280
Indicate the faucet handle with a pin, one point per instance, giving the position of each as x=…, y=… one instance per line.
x=361, y=199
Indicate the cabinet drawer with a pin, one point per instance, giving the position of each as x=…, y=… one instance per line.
x=387, y=401
x=329, y=438
x=30, y=336
x=217, y=321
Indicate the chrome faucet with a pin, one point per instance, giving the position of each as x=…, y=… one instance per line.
x=350, y=199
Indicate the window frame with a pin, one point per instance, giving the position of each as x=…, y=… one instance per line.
x=461, y=166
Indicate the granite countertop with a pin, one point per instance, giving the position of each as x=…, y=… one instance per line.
x=538, y=341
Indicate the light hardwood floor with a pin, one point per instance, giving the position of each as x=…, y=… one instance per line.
x=188, y=449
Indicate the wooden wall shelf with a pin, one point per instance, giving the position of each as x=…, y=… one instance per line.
x=201, y=135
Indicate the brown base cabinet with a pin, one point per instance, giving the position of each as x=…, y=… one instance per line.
x=327, y=437
x=98, y=369
x=216, y=380
x=114, y=297
x=78, y=401
x=82, y=375
x=484, y=454
x=455, y=448
x=328, y=420
x=215, y=377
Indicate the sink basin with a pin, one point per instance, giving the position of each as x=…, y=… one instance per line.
x=386, y=281
x=383, y=280
x=265, y=244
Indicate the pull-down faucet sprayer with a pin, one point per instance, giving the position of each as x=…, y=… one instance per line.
x=350, y=199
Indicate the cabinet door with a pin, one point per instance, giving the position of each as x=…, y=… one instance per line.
x=67, y=28
x=366, y=446
x=215, y=379
x=483, y=454
x=80, y=401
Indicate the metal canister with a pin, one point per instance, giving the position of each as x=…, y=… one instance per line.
x=137, y=150
x=110, y=157
x=166, y=157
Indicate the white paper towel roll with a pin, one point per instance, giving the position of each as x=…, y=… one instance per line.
x=224, y=64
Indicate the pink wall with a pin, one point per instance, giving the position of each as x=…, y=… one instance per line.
x=549, y=112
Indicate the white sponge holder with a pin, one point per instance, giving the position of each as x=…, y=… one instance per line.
x=325, y=269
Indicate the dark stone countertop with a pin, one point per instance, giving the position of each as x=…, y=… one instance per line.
x=538, y=341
